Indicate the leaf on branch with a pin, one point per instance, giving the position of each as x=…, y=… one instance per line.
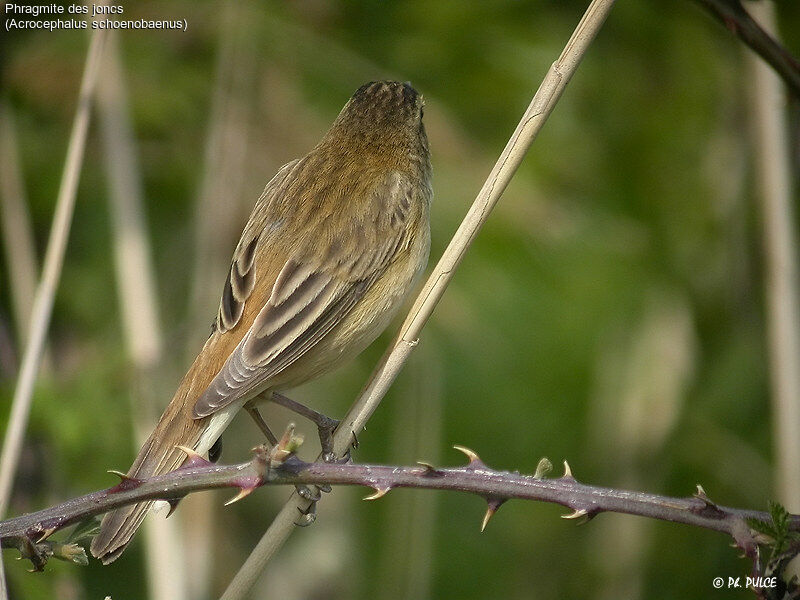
x=86, y=529
x=287, y=446
x=543, y=468
x=780, y=537
x=70, y=553
x=40, y=552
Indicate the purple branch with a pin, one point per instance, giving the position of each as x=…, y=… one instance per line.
x=279, y=466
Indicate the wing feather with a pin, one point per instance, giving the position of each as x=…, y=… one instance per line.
x=242, y=274
x=309, y=296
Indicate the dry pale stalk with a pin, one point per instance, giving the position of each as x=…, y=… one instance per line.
x=136, y=290
x=54, y=259
x=395, y=357
x=17, y=231
x=774, y=191
x=218, y=214
x=51, y=273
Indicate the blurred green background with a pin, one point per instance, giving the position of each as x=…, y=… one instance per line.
x=610, y=313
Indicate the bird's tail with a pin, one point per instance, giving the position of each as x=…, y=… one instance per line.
x=158, y=455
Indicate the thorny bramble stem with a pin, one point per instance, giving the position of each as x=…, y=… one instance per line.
x=281, y=467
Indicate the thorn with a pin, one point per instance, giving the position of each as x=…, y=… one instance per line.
x=38, y=533
x=45, y=533
x=489, y=514
x=243, y=493
x=543, y=468
x=494, y=504
x=189, y=452
x=379, y=493
x=567, y=472
x=193, y=459
x=429, y=468
x=578, y=513
x=700, y=494
x=173, y=504
x=126, y=482
x=471, y=454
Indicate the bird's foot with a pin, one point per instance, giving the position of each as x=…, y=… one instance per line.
x=307, y=516
x=326, y=426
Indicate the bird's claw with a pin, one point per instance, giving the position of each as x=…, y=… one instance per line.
x=306, y=493
x=307, y=516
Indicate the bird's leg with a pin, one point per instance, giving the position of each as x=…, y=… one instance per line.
x=262, y=424
x=303, y=490
x=325, y=425
x=215, y=451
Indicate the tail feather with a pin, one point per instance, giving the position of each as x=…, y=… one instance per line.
x=157, y=456
x=177, y=426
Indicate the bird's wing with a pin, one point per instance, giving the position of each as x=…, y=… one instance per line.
x=241, y=276
x=313, y=291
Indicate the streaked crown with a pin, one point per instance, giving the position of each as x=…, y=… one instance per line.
x=383, y=103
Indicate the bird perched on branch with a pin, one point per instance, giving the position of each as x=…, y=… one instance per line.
x=332, y=248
